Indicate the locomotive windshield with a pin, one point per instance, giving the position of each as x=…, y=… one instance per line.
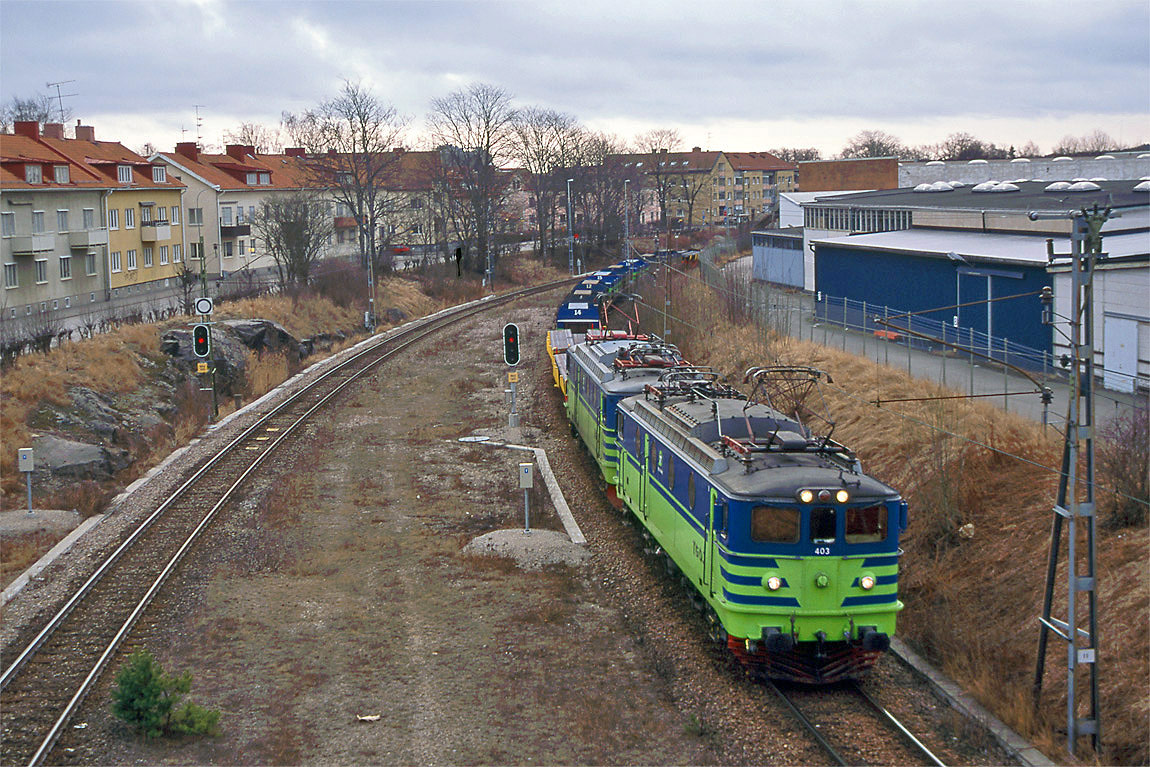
x=822, y=525
x=774, y=525
x=866, y=525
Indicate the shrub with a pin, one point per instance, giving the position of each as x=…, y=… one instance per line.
x=147, y=698
x=1123, y=455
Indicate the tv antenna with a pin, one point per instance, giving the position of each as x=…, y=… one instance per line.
x=199, y=125
x=61, y=96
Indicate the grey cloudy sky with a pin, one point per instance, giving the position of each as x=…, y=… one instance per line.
x=730, y=75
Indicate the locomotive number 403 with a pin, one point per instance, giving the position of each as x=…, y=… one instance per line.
x=822, y=551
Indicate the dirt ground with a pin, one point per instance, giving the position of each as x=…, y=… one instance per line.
x=340, y=588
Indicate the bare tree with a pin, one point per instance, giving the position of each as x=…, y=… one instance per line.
x=266, y=140
x=795, y=154
x=37, y=107
x=352, y=136
x=294, y=229
x=600, y=187
x=544, y=139
x=1029, y=149
x=656, y=143
x=872, y=143
x=474, y=129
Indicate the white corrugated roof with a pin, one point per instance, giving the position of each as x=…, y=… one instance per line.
x=1016, y=248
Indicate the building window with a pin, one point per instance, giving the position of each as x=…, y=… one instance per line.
x=251, y=179
x=114, y=261
x=89, y=216
x=62, y=221
x=129, y=218
x=131, y=260
x=67, y=302
x=37, y=222
x=41, y=273
x=113, y=218
x=146, y=214
x=195, y=216
x=239, y=214
x=195, y=251
x=163, y=255
x=90, y=264
x=175, y=254
x=8, y=224
x=251, y=213
x=11, y=276
x=60, y=173
x=91, y=298
x=124, y=174
x=33, y=174
x=159, y=174
x=243, y=247
x=226, y=216
x=265, y=179
x=228, y=250
x=65, y=267
x=175, y=215
x=163, y=213
x=147, y=256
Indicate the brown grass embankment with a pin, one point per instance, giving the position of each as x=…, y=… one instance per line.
x=972, y=597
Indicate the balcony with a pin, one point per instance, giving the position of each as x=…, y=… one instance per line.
x=153, y=231
x=30, y=244
x=236, y=230
x=88, y=238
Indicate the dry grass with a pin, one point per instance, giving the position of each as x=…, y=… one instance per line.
x=971, y=604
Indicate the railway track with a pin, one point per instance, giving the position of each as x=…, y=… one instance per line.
x=44, y=683
x=836, y=720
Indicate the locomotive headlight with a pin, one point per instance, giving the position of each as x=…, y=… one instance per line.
x=867, y=582
x=824, y=495
x=842, y=496
x=806, y=496
x=774, y=583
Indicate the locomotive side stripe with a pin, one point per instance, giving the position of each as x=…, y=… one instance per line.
x=880, y=561
x=870, y=599
x=747, y=561
x=744, y=580
x=743, y=599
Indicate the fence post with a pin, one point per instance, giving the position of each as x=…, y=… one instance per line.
x=864, y=327
x=971, y=366
x=886, y=346
x=1005, y=378
x=845, y=323
x=944, y=354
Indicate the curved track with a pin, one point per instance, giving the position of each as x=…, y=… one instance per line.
x=43, y=684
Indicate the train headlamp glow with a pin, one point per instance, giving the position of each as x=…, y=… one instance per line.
x=842, y=496
x=774, y=583
x=866, y=582
x=806, y=496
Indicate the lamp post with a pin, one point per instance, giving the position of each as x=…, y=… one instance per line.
x=626, y=220
x=570, y=232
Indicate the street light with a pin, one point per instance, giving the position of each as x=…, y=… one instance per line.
x=626, y=221
x=570, y=233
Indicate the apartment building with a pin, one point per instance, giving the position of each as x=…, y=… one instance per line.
x=53, y=238
x=745, y=186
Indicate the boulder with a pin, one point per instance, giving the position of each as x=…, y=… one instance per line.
x=65, y=457
x=263, y=335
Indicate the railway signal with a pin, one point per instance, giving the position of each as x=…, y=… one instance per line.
x=511, y=344
x=201, y=340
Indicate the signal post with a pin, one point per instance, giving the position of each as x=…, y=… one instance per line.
x=511, y=357
x=202, y=347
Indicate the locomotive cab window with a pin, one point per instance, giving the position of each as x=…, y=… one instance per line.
x=822, y=525
x=774, y=525
x=866, y=525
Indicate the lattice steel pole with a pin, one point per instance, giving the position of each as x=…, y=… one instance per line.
x=1078, y=447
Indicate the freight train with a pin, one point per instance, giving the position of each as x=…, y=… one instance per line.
x=783, y=541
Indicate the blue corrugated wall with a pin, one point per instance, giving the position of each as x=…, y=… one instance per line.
x=916, y=283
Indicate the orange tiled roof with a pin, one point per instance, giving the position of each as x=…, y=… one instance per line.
x=757, y=161
x=17, y=151
x=104, y=157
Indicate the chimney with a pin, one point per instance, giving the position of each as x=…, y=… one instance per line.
x=85, y=133
x=188, y=149
x=696, y=149
x=398, y=150
x=294, y=151
x=27, y=128
x=236, y=150
x=54, y=130
x=250, y=149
